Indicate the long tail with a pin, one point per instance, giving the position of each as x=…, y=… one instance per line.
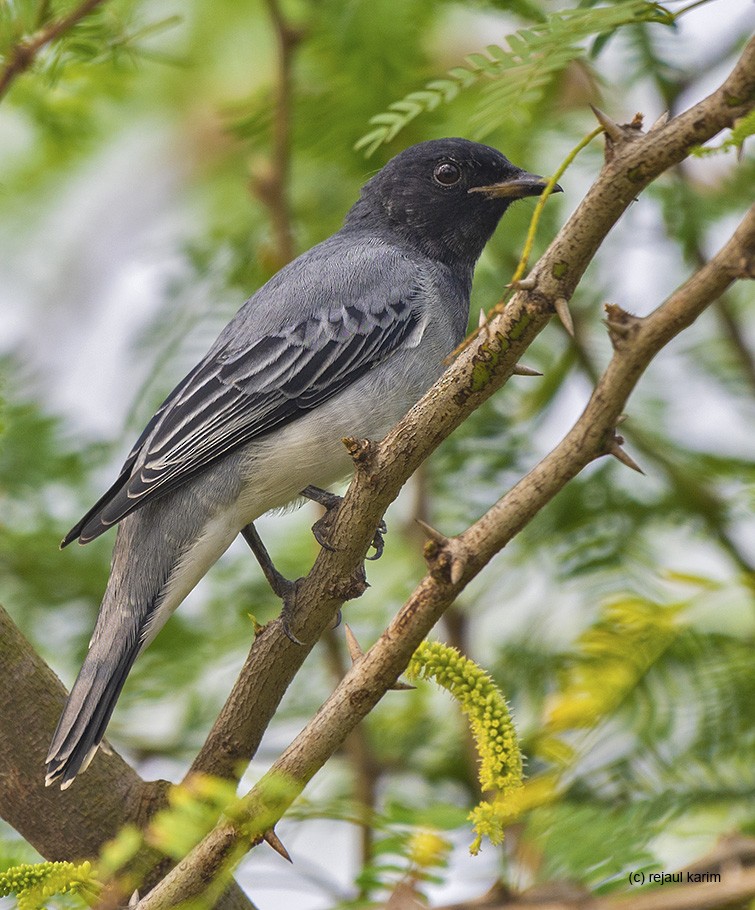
x=161, y=551
x=87, y=712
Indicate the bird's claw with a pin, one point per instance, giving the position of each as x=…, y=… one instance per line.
x=288, y=611
x=378, y=541
x=322, y=527
x=286, y=626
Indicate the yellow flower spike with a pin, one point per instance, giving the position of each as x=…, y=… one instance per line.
x=34, y=884
x=480, y=699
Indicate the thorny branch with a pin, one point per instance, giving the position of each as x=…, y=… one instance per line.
x=482, y=369
x=634, y=159
x=23, y=54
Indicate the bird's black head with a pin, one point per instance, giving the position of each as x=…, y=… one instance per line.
x=443, y=197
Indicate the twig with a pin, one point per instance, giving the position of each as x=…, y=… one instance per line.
x=672, y=89
x=518, y=282
x=737, y=339
x=539, y=207
x=23, y=54
x=271, y=187
x=699, y=493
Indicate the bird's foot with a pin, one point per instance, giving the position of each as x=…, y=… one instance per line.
x=286, y=616
x=281, y=586
x=322, y=527
x=378, y=541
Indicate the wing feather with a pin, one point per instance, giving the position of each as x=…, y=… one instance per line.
x=237, y=394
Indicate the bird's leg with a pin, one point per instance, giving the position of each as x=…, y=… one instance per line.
x=321, y=528
x=282, y=587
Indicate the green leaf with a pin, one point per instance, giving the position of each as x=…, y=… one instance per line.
x=519, y=74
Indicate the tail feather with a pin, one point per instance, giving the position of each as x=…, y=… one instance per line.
x=161, y=551
x=86, y=714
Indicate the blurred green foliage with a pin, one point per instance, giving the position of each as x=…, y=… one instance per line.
x=619, y=624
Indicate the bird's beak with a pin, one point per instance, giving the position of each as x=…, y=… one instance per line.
x=518, y=187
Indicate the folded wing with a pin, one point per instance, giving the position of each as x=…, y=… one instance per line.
x=241, y=392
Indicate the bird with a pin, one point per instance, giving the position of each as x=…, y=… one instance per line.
x=342, y=341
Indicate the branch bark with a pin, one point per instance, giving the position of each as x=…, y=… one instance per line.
x=633, y=161
x=23, y=54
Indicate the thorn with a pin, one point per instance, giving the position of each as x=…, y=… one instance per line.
x=257, y=627
x=483, y=324
x=400, y=686
x=431, y=532
x=355, y=649
x=133, y=901
x=523, y=284
x=271, y=838
x=521, y=370
x=660, y=122
x=561, y=306
x=457, y=569
x=612, y=129
x=619, y=453
x=621, y=419
x=451, y=562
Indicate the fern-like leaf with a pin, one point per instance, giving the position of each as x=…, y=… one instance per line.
x=743, y=129
x=518, y=74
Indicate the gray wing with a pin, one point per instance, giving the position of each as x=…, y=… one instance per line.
x=237, y=394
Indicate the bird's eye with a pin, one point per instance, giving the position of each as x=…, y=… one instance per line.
x=447, y=173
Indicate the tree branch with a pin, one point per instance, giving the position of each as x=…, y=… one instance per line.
x=271, y=186
x=23, y=54
x=699, y=493
x=382, y=469
x=453, y=564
